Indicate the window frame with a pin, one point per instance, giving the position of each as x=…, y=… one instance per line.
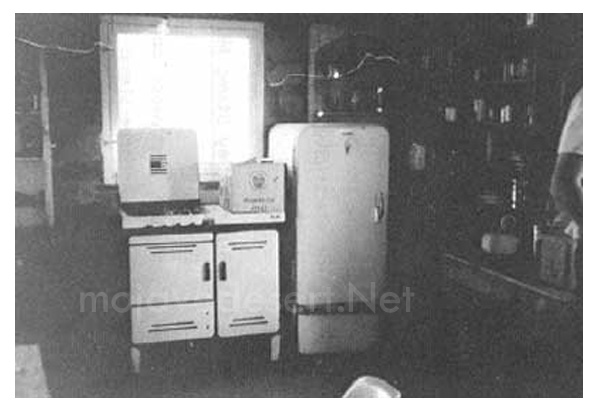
x=111, y=26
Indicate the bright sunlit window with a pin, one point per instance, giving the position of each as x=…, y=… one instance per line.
x=185, y=73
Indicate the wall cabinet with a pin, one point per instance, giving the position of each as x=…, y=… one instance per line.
x=203, y=285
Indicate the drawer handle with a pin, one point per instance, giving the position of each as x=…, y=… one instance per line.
x=206, y=271
x=222, y=271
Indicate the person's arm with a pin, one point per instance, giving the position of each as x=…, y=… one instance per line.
x=566, y=185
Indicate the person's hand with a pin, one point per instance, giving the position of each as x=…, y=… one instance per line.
x=573, y=230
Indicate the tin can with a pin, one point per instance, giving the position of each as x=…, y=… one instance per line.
x=451, y=114
x=479, y=109
x=505, y=115
x=530, y=120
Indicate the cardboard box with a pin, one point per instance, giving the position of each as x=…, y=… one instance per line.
x=254, y=187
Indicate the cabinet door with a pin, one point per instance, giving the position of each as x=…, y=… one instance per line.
x=171, y=269
x=248, y=282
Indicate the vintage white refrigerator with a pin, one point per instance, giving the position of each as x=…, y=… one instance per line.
x=338, y=175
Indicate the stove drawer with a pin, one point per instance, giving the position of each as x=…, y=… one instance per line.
x=172, y=322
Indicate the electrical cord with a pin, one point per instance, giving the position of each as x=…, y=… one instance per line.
x=337, y=76
x=97, y=45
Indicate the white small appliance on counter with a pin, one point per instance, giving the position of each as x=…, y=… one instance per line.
x=158, y=165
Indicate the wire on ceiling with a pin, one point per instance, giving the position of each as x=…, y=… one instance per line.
x=336, y=75
x=97, y=45
x=332, y=76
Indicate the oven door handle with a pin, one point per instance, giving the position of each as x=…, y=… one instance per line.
x=222, y=271
x=207, y=271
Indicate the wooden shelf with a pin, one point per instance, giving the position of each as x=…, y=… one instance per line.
x=28, y=113
x=350, y=116
x=496, y=83
x=504, y=126
x=28, y=158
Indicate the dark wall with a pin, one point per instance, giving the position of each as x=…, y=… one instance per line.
x=73, y=80
x=75, y=101
x=75, y=89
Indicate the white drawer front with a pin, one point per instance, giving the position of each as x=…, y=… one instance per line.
x=172, y=322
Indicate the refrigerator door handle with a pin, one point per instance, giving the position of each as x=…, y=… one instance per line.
x=379, y=207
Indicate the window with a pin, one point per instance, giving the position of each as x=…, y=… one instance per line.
x=201, y=74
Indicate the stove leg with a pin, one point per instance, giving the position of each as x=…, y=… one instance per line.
x=275, y=347
x=135, y=353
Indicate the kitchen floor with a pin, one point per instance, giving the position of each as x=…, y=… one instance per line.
x=86, y=354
